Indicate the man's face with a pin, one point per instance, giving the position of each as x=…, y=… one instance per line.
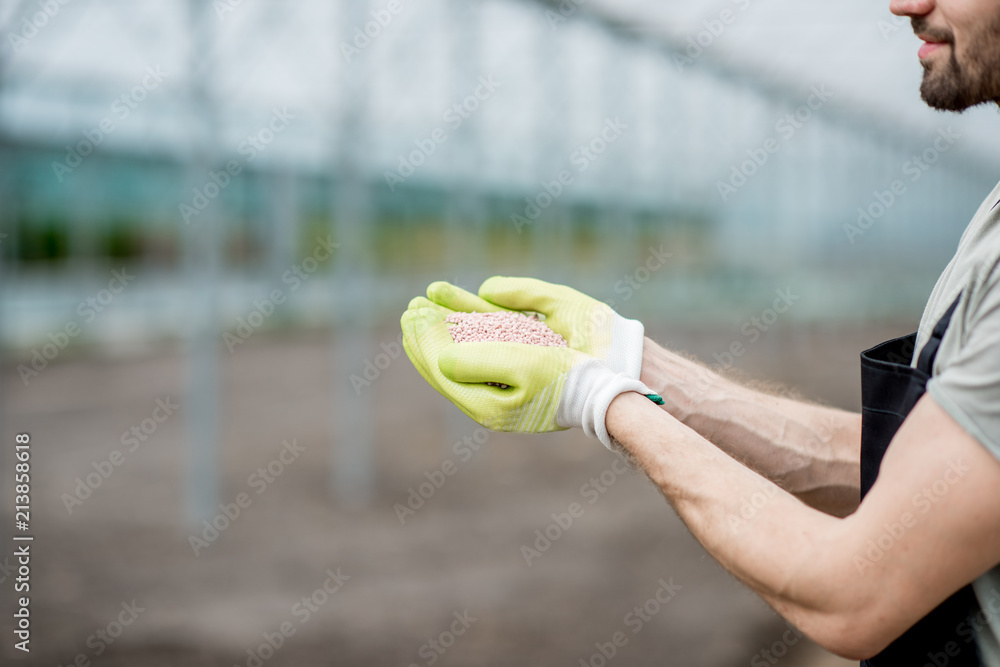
x=961, y=53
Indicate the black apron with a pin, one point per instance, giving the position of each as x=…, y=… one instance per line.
x=889, y=390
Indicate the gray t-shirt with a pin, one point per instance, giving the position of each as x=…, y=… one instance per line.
x=966, y=374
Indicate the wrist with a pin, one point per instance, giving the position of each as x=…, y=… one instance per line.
x=649, y=372
x=659, y=372
x=590, y=388
x=632, y=420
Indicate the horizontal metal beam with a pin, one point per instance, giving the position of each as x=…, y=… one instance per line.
x=874, y=124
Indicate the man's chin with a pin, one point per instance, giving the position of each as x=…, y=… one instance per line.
x=940, y=103
x=945, y=91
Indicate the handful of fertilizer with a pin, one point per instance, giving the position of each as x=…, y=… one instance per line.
x=502, y=327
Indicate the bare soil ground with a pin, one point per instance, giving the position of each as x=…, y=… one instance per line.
x=461, y=553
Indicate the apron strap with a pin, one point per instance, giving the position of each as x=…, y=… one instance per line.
x=927, y=355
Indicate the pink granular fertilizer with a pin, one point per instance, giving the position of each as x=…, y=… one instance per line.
x=504, y=327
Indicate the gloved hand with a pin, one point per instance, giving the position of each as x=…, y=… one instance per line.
x=548, y=388
x=588, y=325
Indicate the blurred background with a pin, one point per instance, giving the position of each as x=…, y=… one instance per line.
x=212, y=214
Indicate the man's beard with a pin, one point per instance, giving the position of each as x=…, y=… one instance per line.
x=954, y=86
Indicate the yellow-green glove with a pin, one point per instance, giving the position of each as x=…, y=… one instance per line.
x=548, y=388
x=588, y=325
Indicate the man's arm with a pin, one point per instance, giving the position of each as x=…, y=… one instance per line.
x=811, y=451
x=938, y=499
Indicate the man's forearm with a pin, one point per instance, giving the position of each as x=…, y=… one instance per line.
x=809, y=450
x=778, y=546
x=819, y=571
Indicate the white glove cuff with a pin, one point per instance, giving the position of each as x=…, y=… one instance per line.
x=590, y=387
x=626, y=346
